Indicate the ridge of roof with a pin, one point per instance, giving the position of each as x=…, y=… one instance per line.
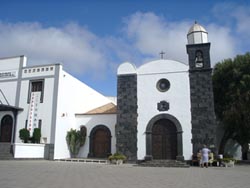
x=109, y=108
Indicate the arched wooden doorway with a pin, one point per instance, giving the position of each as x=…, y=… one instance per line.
x=164, y=140
x=6, y=129
x=100, y=142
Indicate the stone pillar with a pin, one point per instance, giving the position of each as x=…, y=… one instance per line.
x=148, y=156
x=126, y=127
x=49, y=151
x=179, y=156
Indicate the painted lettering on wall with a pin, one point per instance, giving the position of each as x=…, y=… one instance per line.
x=8, y=74
x=33, y=118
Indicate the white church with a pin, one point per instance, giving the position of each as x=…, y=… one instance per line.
x=163, y=109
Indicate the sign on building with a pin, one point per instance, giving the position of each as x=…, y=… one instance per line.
x=33, y=119
x=8, y=74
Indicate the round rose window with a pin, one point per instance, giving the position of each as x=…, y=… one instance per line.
x=163, y=85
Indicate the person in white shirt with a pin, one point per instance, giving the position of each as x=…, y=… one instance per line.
x=205, y=155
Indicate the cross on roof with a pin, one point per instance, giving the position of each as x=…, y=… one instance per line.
x=162, y=54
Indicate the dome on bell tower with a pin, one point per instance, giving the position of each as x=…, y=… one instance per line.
x=197, y=34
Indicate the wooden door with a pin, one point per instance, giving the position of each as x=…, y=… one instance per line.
x=6, y=129
x=164, y=140
x=101, y=143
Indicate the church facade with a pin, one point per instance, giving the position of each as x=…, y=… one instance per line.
x=163, y=109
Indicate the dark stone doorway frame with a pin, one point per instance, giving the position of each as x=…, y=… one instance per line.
x=149, y=135
x=92, y=139
x=14, y=110
x=6, y=128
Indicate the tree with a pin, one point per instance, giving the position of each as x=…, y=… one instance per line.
x=75, y=139
x=231, y=84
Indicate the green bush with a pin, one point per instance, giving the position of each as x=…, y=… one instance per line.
x=24, y=135
x=227, y=160
x=75, y=139
x=117, y=156
x=36, y=135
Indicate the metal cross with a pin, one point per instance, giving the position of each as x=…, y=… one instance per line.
x=162, y=54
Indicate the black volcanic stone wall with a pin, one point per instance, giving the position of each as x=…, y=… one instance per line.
x=202, y=101
x=202, y=109
x=126, y=127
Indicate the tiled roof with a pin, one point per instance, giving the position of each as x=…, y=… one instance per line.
x=109, y=108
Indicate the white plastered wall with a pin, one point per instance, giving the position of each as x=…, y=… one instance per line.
x=73, y=97
x=8, y=85
x=90, y=122
x=9, y=92
x=45, y=108
x=178, y=96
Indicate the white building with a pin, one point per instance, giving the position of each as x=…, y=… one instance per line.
x=48, y=98
x=164, y=108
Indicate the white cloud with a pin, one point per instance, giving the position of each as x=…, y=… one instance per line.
x=223, y=45
x=242, y=15
x=72, y=45
x=151, y=34
x=236, y=17
x=144, y=36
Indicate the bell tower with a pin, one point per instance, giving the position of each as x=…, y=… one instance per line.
x=201, y=89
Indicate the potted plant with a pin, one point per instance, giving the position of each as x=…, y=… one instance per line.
x=229, y=162
x=75, y=139
x=117, y=158
x=24, y=135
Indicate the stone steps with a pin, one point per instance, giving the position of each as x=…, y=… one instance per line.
x=164, y=163
x=5, y=151
x=85, y=160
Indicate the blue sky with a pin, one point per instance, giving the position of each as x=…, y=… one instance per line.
x=91, y=38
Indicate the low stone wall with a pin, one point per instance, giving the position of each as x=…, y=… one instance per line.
x=26, y=150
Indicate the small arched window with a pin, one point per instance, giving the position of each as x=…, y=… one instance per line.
x=199, y=61
x=83, y=130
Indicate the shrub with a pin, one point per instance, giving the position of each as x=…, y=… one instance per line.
x=36, y=135
x=117, y=156
x=24, y=135
x=227, y=160
x=75, y=139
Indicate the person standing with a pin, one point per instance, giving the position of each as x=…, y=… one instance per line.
x=199, y=158
x=205, y=156
x=220, y=157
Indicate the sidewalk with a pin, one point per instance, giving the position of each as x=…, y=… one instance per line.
x=50, y=174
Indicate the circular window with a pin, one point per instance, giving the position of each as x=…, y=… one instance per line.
x=163, y=85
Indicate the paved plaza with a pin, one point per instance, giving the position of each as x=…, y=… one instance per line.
x=50, y=174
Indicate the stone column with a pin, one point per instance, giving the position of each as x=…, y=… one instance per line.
x=126, y=127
